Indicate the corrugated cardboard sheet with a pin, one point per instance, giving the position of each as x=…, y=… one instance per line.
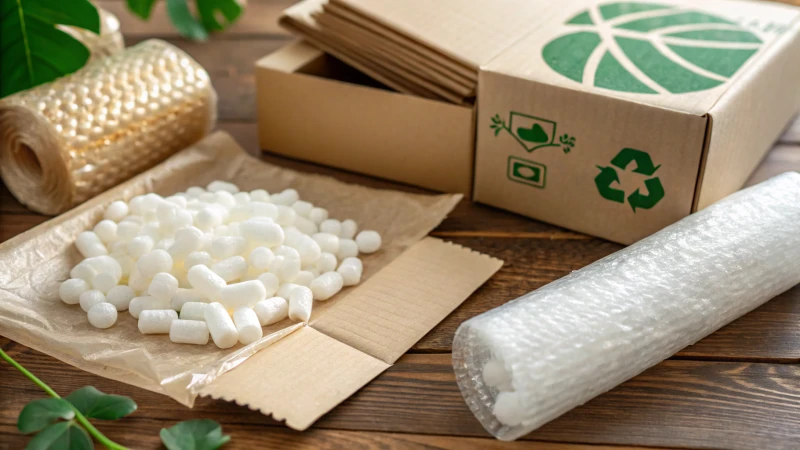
x=295, y=372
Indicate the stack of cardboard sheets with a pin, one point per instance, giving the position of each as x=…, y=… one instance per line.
x=429, y=48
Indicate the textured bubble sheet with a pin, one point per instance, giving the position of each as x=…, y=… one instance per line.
x=563, y=344
x=64, y=142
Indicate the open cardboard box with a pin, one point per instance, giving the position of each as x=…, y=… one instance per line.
x=313, y=107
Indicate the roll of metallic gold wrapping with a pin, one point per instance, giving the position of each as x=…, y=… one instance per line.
x=66, y=141
x=108, y=42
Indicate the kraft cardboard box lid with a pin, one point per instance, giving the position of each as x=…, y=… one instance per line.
x=638, y=50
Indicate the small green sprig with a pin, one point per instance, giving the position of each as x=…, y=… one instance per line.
x=63, y=423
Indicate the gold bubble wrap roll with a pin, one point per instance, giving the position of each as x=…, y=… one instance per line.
x=64, y=142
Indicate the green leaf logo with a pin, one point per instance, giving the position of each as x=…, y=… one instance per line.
x=650, y=48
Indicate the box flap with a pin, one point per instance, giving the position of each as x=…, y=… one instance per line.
x=291, y=58
x=297, y=379
x=680, y=55
x=750, y=117
x=400, y=304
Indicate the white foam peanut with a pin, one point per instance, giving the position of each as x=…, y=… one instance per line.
x=286, y=216
x=84, y=271
x=206, y=281
x=103, y=282
x=198, y=258
x=349, y=228
x=188, y=332
x=368, y=241
x=331, y=226
x=307, y=249
x=259, y=195
x=163, y=286
x=156, y=321
x=140, y=245
x=116, y=211
x=271, y=310
x=328, y=242
x=305, y=225
x=106, y=230
x=128, y=229
x=285, y=268
x=70, y=290
x=304, y=278
x=300, y=302
x=208, y=218
x=154, y=262
x=102, y=315
x=137, y=281
x=226, y=246
x=347, y=249
x=285, y=197
x=262, y=232
x=241, y=198
x=350, y=272
x=187, y=241
x=103, y=264
x=230, y=269
x=261, y=209
x=247, y=324
x=90, y=298
x=271, y=283
x=327, y=262
x=302, y=208
x=220, y=325
x=285, y=290
x=352, y=260
x=225, y=199
x=193, y=310
x=120, y=296
x=260, y=258
x=327, y=285
x=183, y=296
x=89, y=244
x=218, y=185
x=145, y=303
x=318, y=215
x=246, y=293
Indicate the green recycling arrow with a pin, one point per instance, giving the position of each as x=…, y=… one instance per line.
x=604, y=179
x=644, y=165
x=655, y=192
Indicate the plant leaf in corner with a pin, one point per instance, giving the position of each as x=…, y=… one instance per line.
x=211, y=11
x=41, y=413
x=61, y=435
x=33, y=51
x=141, y=8
x=199, y=434
x=98, y=405
x=184, y=21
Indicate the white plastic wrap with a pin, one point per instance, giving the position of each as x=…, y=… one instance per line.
x=529, y=361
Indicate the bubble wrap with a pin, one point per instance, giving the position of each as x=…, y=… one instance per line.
x=64, y=142
x=559, y=346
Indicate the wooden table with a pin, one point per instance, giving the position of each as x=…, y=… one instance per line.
x=738, y=389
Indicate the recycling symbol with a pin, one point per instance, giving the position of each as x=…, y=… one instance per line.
x=644, y=165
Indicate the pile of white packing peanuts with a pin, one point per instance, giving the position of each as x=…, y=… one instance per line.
x=214, y=261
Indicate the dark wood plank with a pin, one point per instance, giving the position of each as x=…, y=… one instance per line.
x=675, y=404
x=259, y=19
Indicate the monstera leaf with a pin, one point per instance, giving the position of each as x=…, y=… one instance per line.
x=186, y=22
x=650, y=48
x=32, y=49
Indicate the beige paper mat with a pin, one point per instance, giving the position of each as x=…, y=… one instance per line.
x=34, y=263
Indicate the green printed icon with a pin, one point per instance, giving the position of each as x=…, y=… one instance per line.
x=532, y=132
x=526, y=172
x=608, y=176
x=650, y=48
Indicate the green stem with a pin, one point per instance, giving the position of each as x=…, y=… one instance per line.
x=101, y=438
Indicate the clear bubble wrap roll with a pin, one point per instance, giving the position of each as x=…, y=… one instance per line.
x=529, y=361
x=64, y=142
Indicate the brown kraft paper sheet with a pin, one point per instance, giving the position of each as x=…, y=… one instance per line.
x=35, y=262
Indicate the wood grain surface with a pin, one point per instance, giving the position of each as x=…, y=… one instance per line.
x=737, y=389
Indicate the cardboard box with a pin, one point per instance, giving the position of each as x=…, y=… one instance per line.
x=618, y=119
x=313, y=107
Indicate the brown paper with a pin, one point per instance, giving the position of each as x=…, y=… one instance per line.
x=36, y=261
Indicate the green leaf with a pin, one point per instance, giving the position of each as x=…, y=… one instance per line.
x=141, y=8
x=41, y=413
x=208, y=9
x=61, y=436
x=32, y=50
x=200, y=434
x=184, y=21
x=97, y=405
